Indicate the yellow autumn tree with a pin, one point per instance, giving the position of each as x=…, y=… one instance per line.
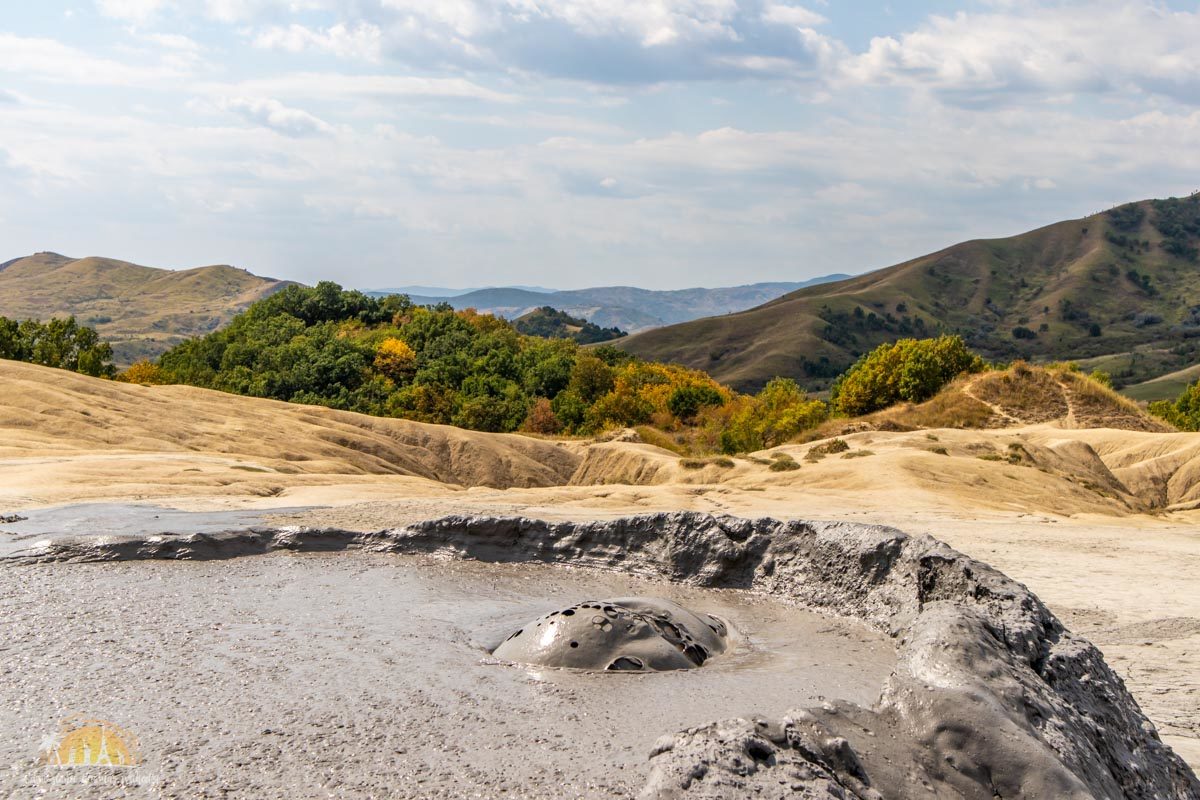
x=395, y=359
x=145, y=372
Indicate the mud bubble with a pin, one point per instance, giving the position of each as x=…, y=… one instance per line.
x=627, y=634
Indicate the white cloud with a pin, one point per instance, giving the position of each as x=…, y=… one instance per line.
x=270, y=113
x=132, y=10
x=335, y=86
x=601, y=41
x=1098, y=47
x=362, y=41
x=172, y=41
x=51, y=60
x=792, y=15
x=939, y=133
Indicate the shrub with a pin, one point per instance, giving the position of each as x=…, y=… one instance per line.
x=700, y=463
x=910, y=370
x=783, y=463
x=686, y=401
x=541, y=419
x=817, y=452
x=779, y=412
x=144, y=372
x=569, y=408
x=1184, y=412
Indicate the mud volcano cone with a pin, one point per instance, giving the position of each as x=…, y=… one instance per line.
x=625, y=634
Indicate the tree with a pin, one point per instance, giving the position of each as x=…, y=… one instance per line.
x=145, y=372
x=541, y=419
x=61, y=343
x=395, y=359
x=1184, y=412
x=779, y=412
x=10, y=339
x=591, y=378
x=910, y=370
x=686, y=401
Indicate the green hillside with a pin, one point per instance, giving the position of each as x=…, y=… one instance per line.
x=1109, y=284
x=141, y=311
x=554, y=324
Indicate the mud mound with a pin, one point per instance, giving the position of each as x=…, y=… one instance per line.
x=991, y=697
x=48, y=412
x=625, y=462
x=1163, y=470
x=629, y=634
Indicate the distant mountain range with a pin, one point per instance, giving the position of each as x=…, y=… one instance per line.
x=442, y=291
x=1119, y=290
x=624, y=307
x=142, y=311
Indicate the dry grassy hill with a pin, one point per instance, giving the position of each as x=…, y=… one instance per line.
x=141, y=310
x=1020, y=395
x=1104, y=284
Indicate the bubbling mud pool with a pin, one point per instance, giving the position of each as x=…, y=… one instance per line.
x=354, y=675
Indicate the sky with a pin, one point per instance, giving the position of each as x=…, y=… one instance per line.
x=572, y=143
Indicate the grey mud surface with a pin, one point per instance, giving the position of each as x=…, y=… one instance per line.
x=369, y=675
x=124, y=519
x=304, y=675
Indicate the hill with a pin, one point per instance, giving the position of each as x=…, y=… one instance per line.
x=624, y=307
x=1019, y=396
x=554, y=324
x=207, y=437
x=1112, y=283
x=1164, y=387
x=141, y=311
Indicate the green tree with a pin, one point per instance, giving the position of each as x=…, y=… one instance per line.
x=61, y=343
x=591, y=378
x=909, y=370
x=1184, y=411
x=778, y=413
x=686, y=401
x=10, y=339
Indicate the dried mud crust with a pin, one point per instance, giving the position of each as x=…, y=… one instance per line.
x=991, y=696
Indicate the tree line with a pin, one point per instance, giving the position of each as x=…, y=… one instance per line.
x=60, y=343
x=324, y=345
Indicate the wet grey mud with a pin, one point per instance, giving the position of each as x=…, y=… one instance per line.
x=628, y=634
x=860, y=663
x=370, y=674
